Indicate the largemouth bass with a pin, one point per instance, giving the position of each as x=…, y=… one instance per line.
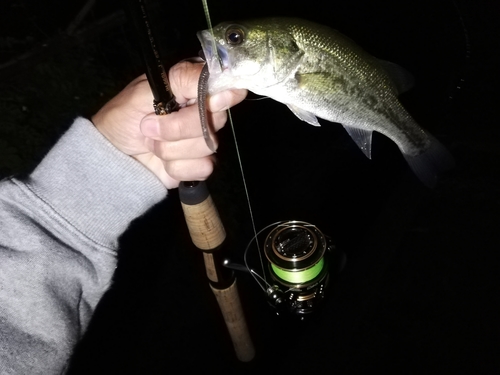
x=318, y=72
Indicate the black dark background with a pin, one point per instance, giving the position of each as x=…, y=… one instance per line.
x=419, y=293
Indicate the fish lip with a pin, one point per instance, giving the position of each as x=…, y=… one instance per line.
x=212, y=59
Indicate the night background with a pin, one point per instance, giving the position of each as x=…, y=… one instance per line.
x=420, y=290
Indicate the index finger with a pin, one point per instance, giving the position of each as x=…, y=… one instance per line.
x=183, y=78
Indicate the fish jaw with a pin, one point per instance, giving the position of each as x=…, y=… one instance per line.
x=217, y=61
x=229, y=69
x=219, y=64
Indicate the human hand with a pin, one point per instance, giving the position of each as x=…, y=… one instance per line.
x=171, y=146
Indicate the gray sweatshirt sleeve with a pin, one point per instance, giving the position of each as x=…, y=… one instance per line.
x=59, y=231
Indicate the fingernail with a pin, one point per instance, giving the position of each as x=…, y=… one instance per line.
x=150, y=127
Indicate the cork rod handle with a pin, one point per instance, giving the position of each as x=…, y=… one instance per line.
x=208, y=234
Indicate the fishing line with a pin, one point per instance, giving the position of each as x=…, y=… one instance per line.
x=216, y=52
x=467, y=52
x=252, y=272
x=209, y=24
x=297, y=254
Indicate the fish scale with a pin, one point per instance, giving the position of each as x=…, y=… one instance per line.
x=320, y=73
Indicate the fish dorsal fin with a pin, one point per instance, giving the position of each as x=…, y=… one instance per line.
x=363, y=139
x=304, y=115
x=402, y=79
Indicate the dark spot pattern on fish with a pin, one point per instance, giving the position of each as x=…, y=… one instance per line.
x=369, y=100
x=320, y=73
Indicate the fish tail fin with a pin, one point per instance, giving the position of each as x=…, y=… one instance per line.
x=430, y=163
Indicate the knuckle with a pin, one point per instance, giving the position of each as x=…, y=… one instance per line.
x=171, y=126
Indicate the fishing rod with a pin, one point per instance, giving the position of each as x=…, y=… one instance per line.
x=202, y=218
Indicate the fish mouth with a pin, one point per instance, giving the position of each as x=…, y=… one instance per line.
x=217, y=62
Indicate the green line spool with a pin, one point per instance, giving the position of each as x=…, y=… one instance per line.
x=298, y=255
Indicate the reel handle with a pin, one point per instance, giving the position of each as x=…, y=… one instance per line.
x=208, y=234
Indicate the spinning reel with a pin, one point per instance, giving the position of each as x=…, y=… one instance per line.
x=298, y=255
x=296, y=275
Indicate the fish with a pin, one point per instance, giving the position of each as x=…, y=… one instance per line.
x=320, y=73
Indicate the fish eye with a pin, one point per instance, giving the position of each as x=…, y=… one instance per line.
x=235, y=36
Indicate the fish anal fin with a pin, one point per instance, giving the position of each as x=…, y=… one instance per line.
x=304, y=115
x=363, y=139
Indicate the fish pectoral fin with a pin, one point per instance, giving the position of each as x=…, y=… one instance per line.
x=363, y=139
x=304, y=115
